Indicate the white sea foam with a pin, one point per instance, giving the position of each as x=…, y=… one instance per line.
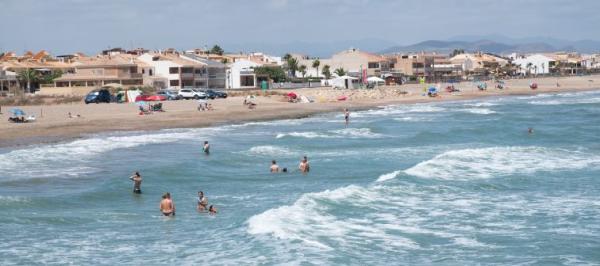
x=354, y=133
x=498, y=161
x=480, y=111
x=12, y=199
x=567, y=101
x=269, y=150
x=481, y=104
x=388, y=176
x=37, y=161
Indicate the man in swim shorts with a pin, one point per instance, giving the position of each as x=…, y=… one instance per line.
x=304, y=167
x=137, y=182
x=167, y=207
x=202, y=201
x=274, y=167
x=206, y=148
x=346, y=115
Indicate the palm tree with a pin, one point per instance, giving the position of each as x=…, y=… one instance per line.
x=340, y=72
x=543, y=68
x=535, y=68
x=302, y=70
x=287, y=57
x=326, y=71
x=315, y=64
x=529, y=65
x=28, y=75
x=292, y=65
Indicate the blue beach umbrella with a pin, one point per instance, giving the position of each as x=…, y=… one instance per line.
x=432, y=89
x=17, y=112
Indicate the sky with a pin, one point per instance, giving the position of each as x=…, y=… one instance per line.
x=67, y=26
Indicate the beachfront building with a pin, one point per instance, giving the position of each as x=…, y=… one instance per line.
x=89, y=73
x=240, y=75
x=538, y=64
x=432, y=66
x=177, y=71
x=591, y=63
x=216, y=70
x=8, y=80
x=567, y=63
x=353, y=61
x=42, y=64
x=479, y=64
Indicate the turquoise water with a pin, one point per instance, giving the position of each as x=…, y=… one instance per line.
x=458, y=183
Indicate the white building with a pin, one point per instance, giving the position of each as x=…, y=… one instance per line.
x=179, y=72
x=240, y=75
x=534, y=64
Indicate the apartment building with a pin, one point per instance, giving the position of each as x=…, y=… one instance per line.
x=432, y=66
x=177, y=70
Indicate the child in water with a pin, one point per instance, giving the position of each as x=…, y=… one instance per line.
x=206, y=148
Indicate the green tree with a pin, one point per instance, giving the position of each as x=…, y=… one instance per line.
x=287, y=57
x=326, y=71
x=457, y=52
x=28, y=76
x=276, y=73
x=216, y=50
x=292, y=66
x=302, y=70
x=315, y=64
x=47, y=79
x=529, y=66
x=224, y=61
x=340, y=72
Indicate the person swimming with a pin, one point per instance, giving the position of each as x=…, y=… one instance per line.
x=167, y=207
x=274, y=167
x=206, y=148
x=304, y=167
x=284, y=170
x=137, y=182
x=202, y=201
x=530, y=130
x=212, y=209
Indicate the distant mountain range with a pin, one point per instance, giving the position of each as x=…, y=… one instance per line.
x=471, y=44
x=497, y=44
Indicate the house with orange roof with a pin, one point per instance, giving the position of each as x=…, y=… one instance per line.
x=178, y=71
x=93, y=72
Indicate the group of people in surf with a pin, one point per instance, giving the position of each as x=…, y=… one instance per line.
x=303, y=167
x=167, y=206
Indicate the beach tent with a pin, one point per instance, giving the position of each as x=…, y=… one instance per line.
x=375, y=79
x=17, y=112
x=343, y=82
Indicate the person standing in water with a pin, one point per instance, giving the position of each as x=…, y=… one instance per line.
x=304, y=167
x=274, y=167
x=530, y=130
x=206, y=148
x=346, y=116
x=137, y=182
x=167, y=207
x=202, y=201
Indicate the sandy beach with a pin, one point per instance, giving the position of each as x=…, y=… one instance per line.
x=53, y=123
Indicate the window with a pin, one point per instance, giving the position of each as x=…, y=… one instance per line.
x=174, y=70
x=247, y=81
x=186, y=70
x=143, y=71
x=373, y=65
x=174, y=82
x=150, y=72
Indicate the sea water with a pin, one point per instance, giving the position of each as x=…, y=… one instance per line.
x=455, y=183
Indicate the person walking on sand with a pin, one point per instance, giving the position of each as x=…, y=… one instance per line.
x=202, y=201
x=346, y=116
x=304, y=167
x=274, y=167
x=167, y=207
x=206, y=148
x=137, y=182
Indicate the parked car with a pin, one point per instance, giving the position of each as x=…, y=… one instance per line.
x=210, y=94
x=150, y=98
x=219, y=94
x=192, y=94
x=171, y=95
x=98, y=96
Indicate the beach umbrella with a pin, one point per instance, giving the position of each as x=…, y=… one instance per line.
x=292, y=95
x=432, y=89
x=17, y=112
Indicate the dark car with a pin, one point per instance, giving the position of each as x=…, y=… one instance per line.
x=210, y=94
x=218, y=94
x=98, y=96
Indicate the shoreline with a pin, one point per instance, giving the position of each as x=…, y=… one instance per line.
x=55, y=127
